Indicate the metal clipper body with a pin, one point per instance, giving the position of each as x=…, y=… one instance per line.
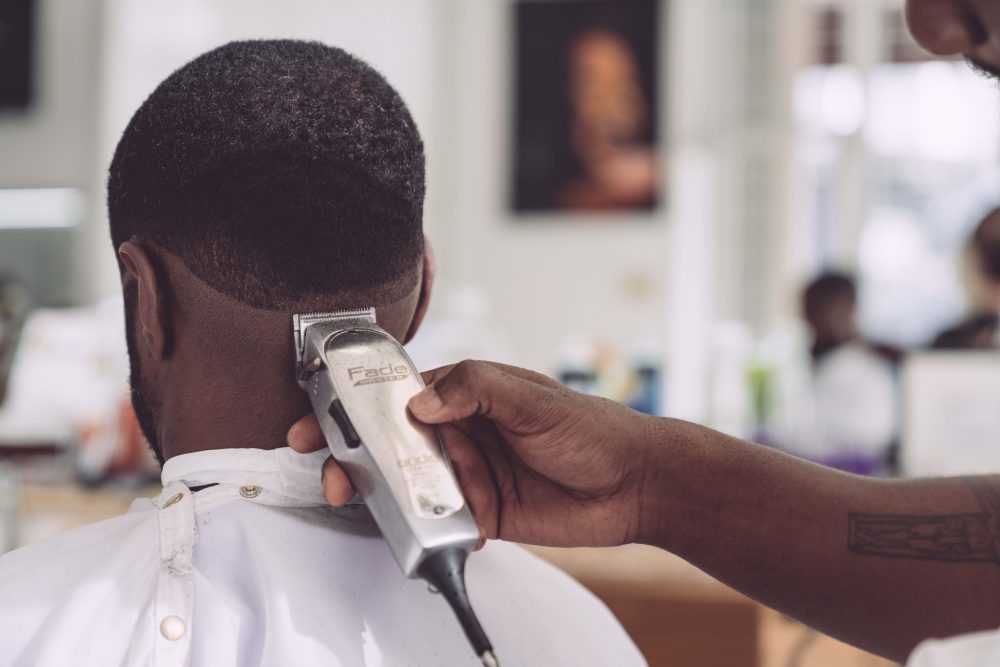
x=359, y=380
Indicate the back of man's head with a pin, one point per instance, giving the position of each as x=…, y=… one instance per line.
x=279, y=172
x=261, y=179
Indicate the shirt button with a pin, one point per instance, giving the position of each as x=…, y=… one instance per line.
x=249, y=491
x=173, y=627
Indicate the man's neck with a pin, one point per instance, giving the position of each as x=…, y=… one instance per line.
x=245, y=397
x=230, y=379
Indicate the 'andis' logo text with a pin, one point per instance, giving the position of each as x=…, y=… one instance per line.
x=387, y=373
x=411, y=461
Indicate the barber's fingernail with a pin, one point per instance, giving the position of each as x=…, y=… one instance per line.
x=426, y=402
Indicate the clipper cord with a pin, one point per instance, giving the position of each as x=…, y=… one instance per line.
x=445, y=571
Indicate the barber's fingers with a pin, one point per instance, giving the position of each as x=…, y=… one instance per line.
x=474, y=458
x=337, y=488
x=305, y=435
x=512, y=400
x=523, y=373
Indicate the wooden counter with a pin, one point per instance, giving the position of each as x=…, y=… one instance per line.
x=679, y=616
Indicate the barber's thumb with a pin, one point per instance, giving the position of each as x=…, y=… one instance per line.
x=427, y=406
x=472, y=388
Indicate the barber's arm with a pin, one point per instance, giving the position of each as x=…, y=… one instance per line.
x=881, y=564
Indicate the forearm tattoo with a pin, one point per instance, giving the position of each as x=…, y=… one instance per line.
x=956, y=538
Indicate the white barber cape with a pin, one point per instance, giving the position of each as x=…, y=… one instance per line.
x=258, y=570
x=981, y=649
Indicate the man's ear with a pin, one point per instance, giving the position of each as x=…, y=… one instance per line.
x=426, y=283
x=151, y=303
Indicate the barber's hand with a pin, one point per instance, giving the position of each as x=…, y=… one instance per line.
x=538, y=463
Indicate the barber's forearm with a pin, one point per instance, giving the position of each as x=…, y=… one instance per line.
x=880, y=564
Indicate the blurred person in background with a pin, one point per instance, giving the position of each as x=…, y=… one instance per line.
x=981, y=276
x=829, y=305
x=853, y=409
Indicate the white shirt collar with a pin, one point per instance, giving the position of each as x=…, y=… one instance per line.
x=282, y=471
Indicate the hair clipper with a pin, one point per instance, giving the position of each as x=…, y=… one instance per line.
x=359, y=380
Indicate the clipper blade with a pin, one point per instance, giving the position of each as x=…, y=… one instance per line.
x=302, y=321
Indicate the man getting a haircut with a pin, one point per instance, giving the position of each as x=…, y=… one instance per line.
x=262, y=179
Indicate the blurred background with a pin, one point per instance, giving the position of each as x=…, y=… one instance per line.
x=769, y=216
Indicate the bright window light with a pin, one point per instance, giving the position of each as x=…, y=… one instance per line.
x=829, y=99
x=938, y=111
x=41, y=208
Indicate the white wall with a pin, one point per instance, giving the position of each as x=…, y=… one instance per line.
x=51, y=144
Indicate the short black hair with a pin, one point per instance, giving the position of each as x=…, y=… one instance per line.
x=986, y=245
x=276, y=170
x=828, y=288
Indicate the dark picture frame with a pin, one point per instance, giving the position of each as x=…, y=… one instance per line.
x=586, y=106
x=17, y=50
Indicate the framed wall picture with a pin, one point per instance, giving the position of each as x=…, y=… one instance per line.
x=586, y=106
x=17, y=34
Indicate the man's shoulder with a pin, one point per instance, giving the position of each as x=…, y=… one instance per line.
x=500, y=558
x=79, y=593
x=80, y=552
x=546, y=608
x=506, y=566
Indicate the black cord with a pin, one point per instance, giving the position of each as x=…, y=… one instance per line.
x=445, y=572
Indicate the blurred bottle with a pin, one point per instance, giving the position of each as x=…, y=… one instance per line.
x=730, y=398
x=646, y=397
x=577, y=365
x=761, y=378
x=114, y=446
x=8, y=510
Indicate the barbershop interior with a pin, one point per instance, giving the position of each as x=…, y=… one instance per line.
x=775, y=218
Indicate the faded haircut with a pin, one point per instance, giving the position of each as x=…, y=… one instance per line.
x=277, y=171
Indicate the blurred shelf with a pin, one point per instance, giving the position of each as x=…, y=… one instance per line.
x=43, y=510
